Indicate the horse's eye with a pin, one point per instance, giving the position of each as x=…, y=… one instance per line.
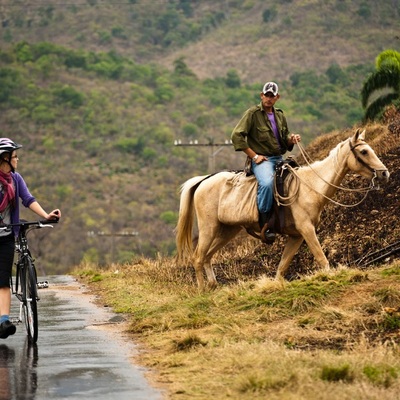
x=364, y=152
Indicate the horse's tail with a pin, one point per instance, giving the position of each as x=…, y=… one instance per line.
x=184, y=228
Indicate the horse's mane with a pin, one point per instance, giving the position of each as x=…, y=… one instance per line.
x=332, y=153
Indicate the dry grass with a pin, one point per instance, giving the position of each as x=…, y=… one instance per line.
x=325, y=336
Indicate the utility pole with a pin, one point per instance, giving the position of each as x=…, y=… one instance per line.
x=113, y=235
x=215, y=148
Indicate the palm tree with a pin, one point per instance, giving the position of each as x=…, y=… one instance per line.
x=386, y=76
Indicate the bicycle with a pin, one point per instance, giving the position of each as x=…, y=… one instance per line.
x=26, y=285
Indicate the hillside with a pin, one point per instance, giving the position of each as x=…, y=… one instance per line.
x=260, y=40
x=97, y=92
x=297, y=36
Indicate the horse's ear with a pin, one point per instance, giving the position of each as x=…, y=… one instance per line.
x=359, y=135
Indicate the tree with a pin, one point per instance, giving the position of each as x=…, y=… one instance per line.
x=386, y=76
x=232, y=79
x=269, y=14
x=181, y=68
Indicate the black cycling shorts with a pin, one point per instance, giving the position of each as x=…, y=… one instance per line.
x=7, y=246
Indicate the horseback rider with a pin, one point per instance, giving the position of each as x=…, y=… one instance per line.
x=263, y=135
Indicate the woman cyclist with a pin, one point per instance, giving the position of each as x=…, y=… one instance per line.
x=12, y=188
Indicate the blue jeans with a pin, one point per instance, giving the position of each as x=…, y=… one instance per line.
x=264, y=173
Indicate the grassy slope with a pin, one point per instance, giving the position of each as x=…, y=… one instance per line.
x=326, y=336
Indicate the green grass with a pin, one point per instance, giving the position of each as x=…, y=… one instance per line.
x=335, y=374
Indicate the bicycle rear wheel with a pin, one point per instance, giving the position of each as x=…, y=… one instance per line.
x=28, y=283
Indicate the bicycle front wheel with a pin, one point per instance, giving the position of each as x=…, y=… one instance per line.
x=29, y=287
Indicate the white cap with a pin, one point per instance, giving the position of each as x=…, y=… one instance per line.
x=270, y=87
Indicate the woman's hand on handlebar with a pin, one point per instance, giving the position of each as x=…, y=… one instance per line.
x=54, y=215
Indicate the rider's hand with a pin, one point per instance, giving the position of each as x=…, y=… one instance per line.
x=294, y=138
x=261, y=159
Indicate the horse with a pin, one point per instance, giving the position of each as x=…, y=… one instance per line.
x=315, y=185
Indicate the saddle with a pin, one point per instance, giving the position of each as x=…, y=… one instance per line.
x=276, y=221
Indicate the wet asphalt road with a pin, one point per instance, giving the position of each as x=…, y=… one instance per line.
x=74, y=357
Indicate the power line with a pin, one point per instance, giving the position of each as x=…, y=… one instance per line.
x=212, y=145
x=38, y=5
x=112, y=235
x=102, y=233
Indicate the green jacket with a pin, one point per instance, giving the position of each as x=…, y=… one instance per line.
x=255, y=131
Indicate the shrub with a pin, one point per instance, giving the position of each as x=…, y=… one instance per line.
x=233, y=79
x=380, y=375
x=269, y=14
x=69, y=95
x=43, y=114
x=8, y=82
x=169, y=217
x=336, y=374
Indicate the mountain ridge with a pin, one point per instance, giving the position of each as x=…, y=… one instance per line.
x=214, y=37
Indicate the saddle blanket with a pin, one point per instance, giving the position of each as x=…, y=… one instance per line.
x=238, y=200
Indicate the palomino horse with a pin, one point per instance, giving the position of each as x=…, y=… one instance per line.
x=315, y=185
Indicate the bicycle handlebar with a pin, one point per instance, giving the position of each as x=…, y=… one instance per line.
x=39, y=224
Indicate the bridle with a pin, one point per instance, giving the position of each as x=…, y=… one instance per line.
x=361, y=161
x=358, y=158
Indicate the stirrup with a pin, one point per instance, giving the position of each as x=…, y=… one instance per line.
x=267, y=236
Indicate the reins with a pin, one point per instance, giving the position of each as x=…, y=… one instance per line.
x=289, y=200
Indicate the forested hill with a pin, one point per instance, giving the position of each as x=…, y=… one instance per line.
x=98, y=91
x=254, y=37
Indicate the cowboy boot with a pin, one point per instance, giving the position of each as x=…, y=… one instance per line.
x=267, y=236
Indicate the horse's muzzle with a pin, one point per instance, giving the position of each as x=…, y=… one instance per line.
x=382, y=175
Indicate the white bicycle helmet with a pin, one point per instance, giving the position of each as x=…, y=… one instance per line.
x=8, y=146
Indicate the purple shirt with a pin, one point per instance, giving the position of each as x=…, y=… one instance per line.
x=271, y=118
x=21, y=192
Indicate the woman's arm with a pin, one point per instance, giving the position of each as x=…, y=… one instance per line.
x=37, y=209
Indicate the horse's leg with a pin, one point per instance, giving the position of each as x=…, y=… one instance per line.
x=225, y=234
x=314, y=245
x=292, y=246
x=206, y=248
x=203, y=255
x=211, y=278
x=198, y=268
